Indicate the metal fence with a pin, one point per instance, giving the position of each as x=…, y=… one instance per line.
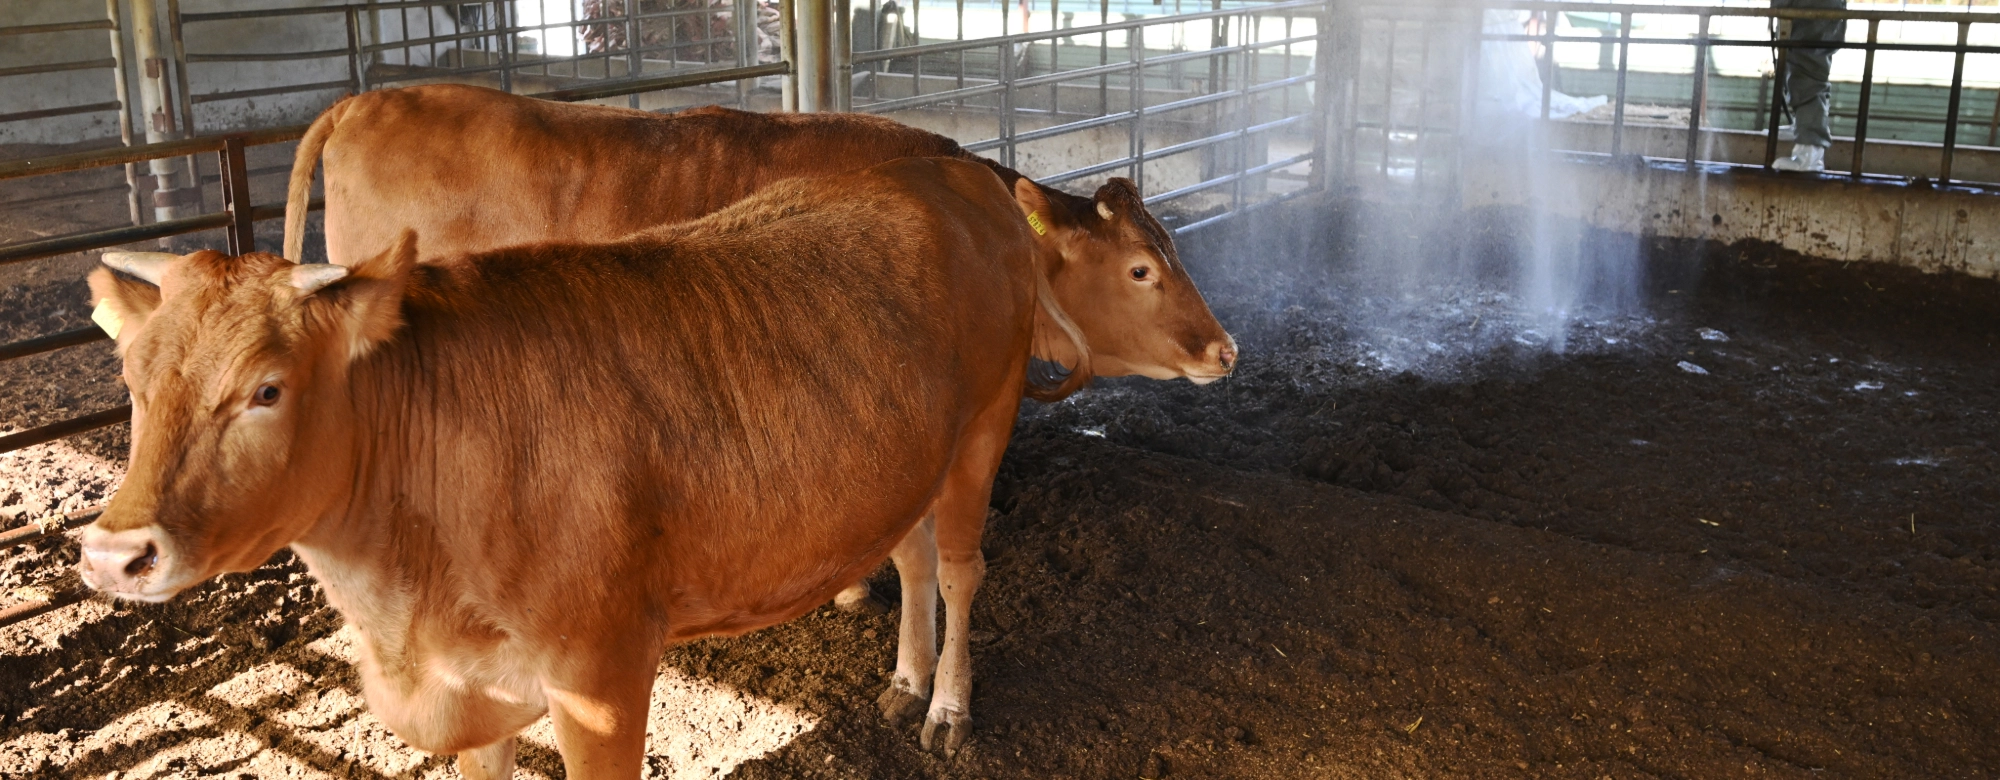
x=1408, y=75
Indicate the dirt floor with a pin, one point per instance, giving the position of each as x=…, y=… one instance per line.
x=1656, y=554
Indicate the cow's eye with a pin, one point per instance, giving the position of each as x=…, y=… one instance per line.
x=1139, y=273
x=266, y=395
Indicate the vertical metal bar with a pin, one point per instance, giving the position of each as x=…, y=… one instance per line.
x=1006, y=103
x=1618, y=99
x=747, y=50
x=1055, y=54
x=236, y=196
x=1135, y=39
x=843, y=55
x=1951, y=110
x=1104, y=58
x=1323, y=100
x=1549, y=51
x=1700, y=97
x=1861, y=114
x=788, y=47
x=632, y=63
x=1423, y=99
x=961, y=52
x=503, y=44
x=184, y=101
x=1389, y=96
x=357, y=72
x=135, y=211
x=1778, y=92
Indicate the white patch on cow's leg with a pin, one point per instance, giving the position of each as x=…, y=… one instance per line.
x=492, y=762
x=916, y=635
x=951, y=704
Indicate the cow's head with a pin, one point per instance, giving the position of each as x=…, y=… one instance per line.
x=1121, y=281
x=242, y=433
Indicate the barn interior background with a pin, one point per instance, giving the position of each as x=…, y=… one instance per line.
x=1581, y=130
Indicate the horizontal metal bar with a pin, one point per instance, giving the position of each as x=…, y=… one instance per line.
x=99, y=239
x=29, y=70
x=69, y=427
x=1088, y=170
x=1760, y=44
x=1221, y=180
x=53, y=525
x=415, y=42
x=950, y=47
x=44, y=113
x=77, y=161
x=28, y=610
x=241, y=94
x=32, y=29
x=1698, y=10
x=673, y=81
x=269, y=13
x=1071, y=127
x=915, y=101
x=1247, y=210
x=1197, y=54
x=1072, y=75
x=51, y=342
x=299, y=55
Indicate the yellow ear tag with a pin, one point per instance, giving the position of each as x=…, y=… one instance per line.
x=107, y=319
x=1035, y=221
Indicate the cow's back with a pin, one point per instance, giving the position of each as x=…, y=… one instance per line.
x=472, y=169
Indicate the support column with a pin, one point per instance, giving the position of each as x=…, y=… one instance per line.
x=172, y=199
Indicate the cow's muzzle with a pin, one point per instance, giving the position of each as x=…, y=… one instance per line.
x=128, y=564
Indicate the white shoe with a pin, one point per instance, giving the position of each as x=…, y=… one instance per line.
x=1804, y=158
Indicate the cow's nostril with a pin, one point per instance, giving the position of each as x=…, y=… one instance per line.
x=1228, y=357
x=145, y=561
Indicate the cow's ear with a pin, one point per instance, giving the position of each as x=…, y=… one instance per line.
x=361, y=306
x=121, y=305
x=1034, y=205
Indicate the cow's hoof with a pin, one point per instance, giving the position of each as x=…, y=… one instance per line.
x=859, y=599
x=899, y=704
x=955, y=727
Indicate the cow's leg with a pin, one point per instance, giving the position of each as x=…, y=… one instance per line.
x=960, y=513
x=492, y=762
x=916, y=636
x=598, y=704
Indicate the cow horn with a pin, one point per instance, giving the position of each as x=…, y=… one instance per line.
x=1104, y=209
x=316, y=276
x=149, y=266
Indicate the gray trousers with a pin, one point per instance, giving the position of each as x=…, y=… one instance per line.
x=1806, y=90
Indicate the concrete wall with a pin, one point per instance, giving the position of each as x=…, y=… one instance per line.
x=1935, y=230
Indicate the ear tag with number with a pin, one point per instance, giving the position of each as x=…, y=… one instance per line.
x=107, y=319
x=1035, y=221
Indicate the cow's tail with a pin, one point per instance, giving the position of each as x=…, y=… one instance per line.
x=298, y=195
x=1047, y=384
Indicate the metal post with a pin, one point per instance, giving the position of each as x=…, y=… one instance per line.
x=843, y=54
x=357, y=71
x=746, y=47
x=1618, y=105
x=788, y=47
x=815, y=64
x=503, y=44
x=132, y=208
x=170, y=198
x=1951, y=111
x=1135, y=42
x=1006, y=105
x=236, y=196
x=1777, y=106
x=1700, y=97
x=1323, y=101
x=632, y=64
x=1389, y=96
x=1861, y=114
x=1423, y=101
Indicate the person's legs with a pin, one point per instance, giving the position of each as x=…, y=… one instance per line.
x=1806, y=90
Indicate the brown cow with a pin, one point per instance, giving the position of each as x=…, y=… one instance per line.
x=521, y=477
x=472, y=169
